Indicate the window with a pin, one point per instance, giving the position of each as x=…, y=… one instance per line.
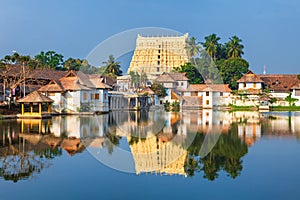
x=297, y=92
x=207, y=102
x=244, y=85
x=158, y=51
x=221, y=94
x=105, y=96
x=97, y=96
x=181, y=83
x=157, y=69
x=159, y=46
x=158, y=62
x=92, y=96
x=254, y=85
x=207, y=94
x=85, y=96
x=158, y=57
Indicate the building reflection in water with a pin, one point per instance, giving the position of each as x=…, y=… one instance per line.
x=160, y=142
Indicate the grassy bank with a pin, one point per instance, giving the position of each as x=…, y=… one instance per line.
x=243, y=108
x=285, y=108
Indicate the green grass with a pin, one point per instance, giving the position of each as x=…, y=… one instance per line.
x=243, y=108
x=285, y=108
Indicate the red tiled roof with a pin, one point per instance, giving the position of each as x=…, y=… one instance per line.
x=279, y=82
x=172, y=77
x=250, y=77
x=72, y=83
x=53, y=86
x=296, y=85
x=35, y=97
x=218, y=88
x=46, y=74
x=98, y=81
x=148, y=90
x=196, y=87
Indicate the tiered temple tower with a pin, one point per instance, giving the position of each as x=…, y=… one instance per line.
x=154, y=55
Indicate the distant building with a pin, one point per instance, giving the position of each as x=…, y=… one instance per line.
x=253, y=86
x=193, y=96
x=154, y=55
x=78, y=92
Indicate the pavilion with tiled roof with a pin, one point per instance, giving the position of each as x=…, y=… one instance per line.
x=32, y=99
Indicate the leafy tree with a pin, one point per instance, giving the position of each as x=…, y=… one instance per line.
x=192, y=73
x=290, y=100
x=50, y=59
x=112, y=68
x=298, y=76
x=158, y=89
x=211, y=45
x=73, y=64
x=234, y=47
x=232, y=69
x=87, y=68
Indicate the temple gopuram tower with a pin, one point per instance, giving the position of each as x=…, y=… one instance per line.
x=154, y=55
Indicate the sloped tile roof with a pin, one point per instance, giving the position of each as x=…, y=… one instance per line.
x=35, y=97
x=250, y=77
x=179, y=76
x=165, y=78
x=172, y=77
x=72, y=83
x=98, y=81
x=46, y=74
x=196, y=87
x=279, y=82
x=296, y=85
x=148, y=90
x=218, y=88
x=53, y=86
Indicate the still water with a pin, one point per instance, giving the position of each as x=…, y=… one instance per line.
x=152, y=155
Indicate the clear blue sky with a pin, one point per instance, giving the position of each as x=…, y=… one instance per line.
x=269, y=29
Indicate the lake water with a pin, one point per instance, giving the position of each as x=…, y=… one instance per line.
x=152, y=155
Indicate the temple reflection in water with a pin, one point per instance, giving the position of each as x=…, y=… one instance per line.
x=160, y=142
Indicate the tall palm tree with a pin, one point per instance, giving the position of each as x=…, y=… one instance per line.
x=193, y=47
x=234, y=47
x=211, y=45
x=112, y=67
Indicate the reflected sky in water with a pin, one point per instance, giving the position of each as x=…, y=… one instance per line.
x=251, y=155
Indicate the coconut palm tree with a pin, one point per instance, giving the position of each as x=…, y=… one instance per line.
x=193, y=48
x=234, y=47
x=211, y=45
x=112, y=67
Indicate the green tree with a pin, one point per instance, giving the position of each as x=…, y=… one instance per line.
x=234, y=47
x=211, y=45
x=192, y=73
x=193, y=48
x=73, y=64
x=50, y=59
x=290, y=100
x=158, y=89
x=135, y=79
x=231, y=70
x=112, y=68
